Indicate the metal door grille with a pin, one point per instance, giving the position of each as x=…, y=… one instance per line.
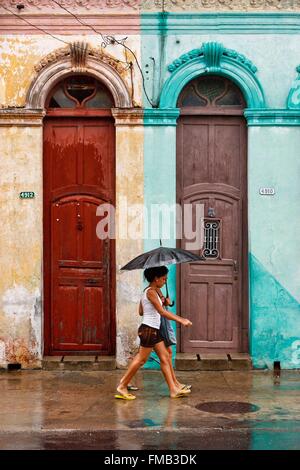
x=211, y=239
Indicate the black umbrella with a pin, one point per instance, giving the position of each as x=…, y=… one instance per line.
x=160, y=257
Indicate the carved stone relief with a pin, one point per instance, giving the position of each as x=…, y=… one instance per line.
x=234, y=5
x=75, y=5
x=212, y=53
x=78, y=53
x=293, y=101
x=42, y=6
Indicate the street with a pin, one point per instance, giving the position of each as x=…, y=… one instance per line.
x=77, y=410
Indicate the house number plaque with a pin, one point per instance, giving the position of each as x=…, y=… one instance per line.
x=267, y=191
x=27, y=195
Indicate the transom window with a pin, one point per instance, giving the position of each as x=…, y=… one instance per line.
x=80, y=91
x=211, y=91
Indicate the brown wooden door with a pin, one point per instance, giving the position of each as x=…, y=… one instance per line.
x=211, y=169
x=79, y=175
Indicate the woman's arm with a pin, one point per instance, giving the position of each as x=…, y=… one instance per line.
x=152, y=296
x=141, y=313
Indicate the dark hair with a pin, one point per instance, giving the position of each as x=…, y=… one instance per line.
x=151, y=273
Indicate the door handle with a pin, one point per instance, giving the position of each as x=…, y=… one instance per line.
x=91, y=281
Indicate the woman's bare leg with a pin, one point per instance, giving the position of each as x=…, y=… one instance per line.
x=163, y=355
x=178, y=384
x=138, y=361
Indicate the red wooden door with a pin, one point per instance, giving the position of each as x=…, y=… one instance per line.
x=211, y=170
x=79, y=175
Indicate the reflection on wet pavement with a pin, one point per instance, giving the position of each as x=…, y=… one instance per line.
x=77, y=410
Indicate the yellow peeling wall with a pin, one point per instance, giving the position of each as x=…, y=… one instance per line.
x=21, y=233
x=20, y=245
x=130, y=195
x=20, y=54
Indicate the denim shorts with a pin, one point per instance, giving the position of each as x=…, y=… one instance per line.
x=149, y=336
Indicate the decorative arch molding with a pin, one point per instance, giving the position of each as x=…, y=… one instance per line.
x=213, y=58
x=78, y=58
x=293, y=100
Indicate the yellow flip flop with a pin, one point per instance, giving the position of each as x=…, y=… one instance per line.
x=180, y=395
x=125, y=396
x=186, y=391
x=187, y=387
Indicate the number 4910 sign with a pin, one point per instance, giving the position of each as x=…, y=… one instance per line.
x=267, y=191
x=27, y=195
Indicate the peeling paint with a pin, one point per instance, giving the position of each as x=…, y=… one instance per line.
x=127, y=346
x=20, y=351
x=129, y=185
x=274, y=321
x=20, y=54
x=130, y=292
x=21, y=244
x=21, y=324
x=17, y=301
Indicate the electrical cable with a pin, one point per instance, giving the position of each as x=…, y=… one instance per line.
x=80, y=21
x=47, y=32
x=106, y=40
x=33, y=25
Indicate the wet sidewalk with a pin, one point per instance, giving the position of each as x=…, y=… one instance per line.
x=77, y=410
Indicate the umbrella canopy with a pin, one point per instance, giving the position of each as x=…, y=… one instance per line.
x=160, y=257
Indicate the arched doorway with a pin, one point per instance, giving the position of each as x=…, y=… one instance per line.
x=212, y=170
x=79, y=175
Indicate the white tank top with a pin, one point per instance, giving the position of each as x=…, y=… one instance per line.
x=151, y=317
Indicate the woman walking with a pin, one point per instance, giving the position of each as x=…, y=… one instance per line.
x=169, y=337
x=150, y=337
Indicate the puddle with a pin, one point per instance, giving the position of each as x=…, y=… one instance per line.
x=227, y=407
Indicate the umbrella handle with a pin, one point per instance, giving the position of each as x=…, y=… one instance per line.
x=167, y=291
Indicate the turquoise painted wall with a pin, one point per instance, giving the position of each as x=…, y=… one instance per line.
x=160, y=188
x=273, y=161
x=275, y=61
x=271, y=42
x=274, y=239
x=159, y=151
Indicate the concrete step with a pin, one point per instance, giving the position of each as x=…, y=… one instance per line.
x=213, y=361
x=88, y=363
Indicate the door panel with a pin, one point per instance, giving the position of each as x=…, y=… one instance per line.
x=94, y=319
x=212, y=171
x=79, y=287
x=96, y=157
x=65, y=327
x=93, y=252
x=64, y=155
x=225, y=142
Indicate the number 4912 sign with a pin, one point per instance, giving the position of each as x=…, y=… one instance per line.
x=27, y=195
